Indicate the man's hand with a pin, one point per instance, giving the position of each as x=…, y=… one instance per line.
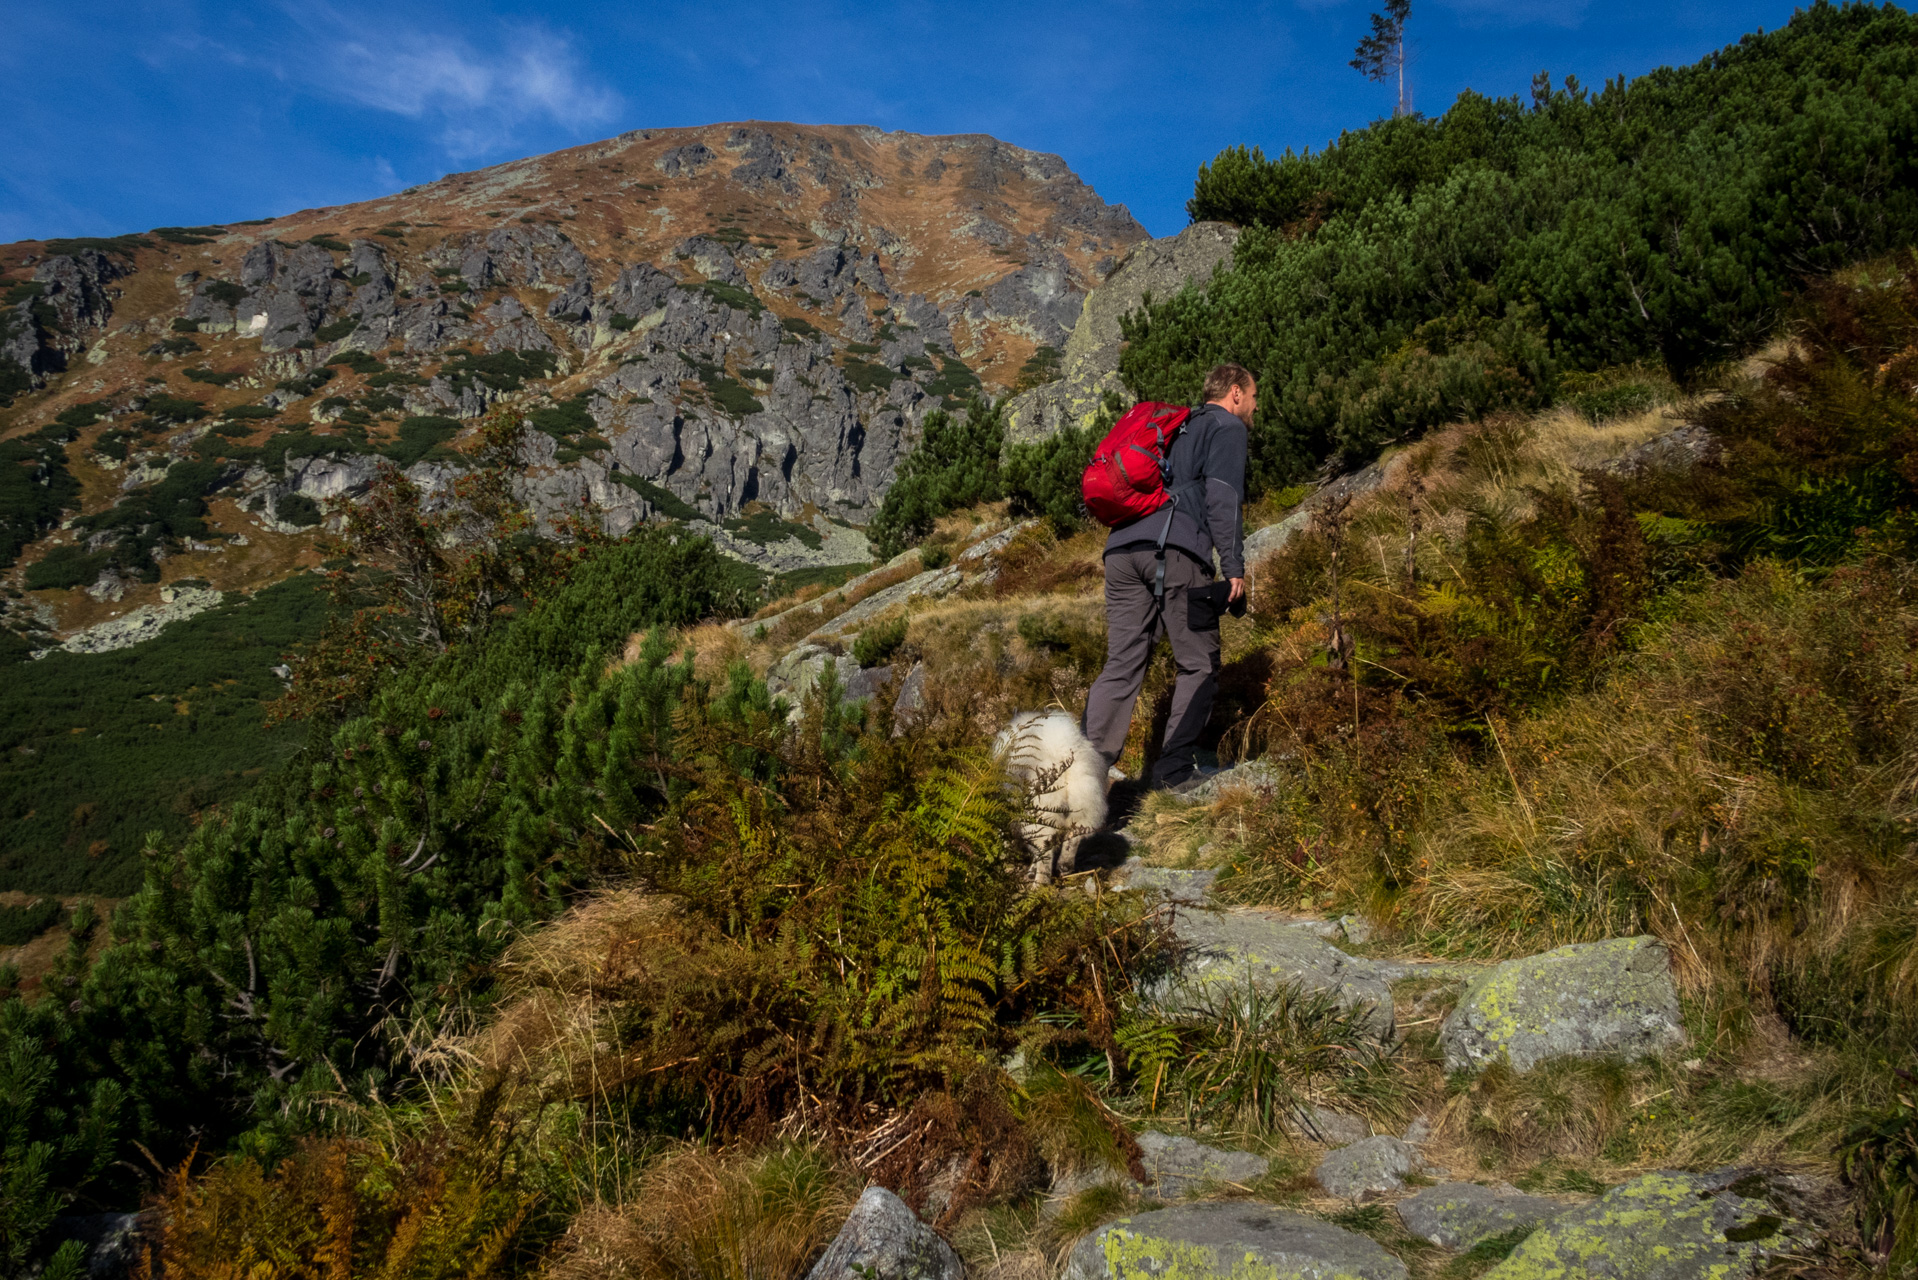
x=1238, y=590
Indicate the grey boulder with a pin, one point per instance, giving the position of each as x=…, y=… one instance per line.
x=1374, y=1166
x=1177, y=1166
x=1256, y=775
x=1461, y=1214
x=1229, y=1241
x=1660, y=1226
x=885, y=1240
x=1335, y=1128
x=1586, y=1000
x=1226, y=952
x=1177, y=885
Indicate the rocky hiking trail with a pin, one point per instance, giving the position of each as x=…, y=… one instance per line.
x=1335, y=1198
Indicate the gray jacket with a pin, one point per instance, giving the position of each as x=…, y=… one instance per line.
x=1208, y=460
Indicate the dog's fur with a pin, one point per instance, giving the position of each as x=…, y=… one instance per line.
x=1062, y=777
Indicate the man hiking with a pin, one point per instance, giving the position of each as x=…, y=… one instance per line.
x=1207, y=462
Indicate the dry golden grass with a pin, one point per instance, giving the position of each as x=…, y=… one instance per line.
x=716, y=647
x=703, y=1215
x=547, y=1027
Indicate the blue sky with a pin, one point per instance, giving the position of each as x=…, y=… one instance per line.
x=126, y=116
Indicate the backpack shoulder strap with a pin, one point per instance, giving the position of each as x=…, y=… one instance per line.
x=1171, y=508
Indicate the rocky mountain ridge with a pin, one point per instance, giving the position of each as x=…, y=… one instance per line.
x=742, y=324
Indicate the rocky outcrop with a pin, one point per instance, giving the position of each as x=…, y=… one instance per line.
x=1586, y=1000
x=884, y=1240
x=1262, y=544
x=523, y=254
x=1459, y=1215
x=1229, y=1241
x=142, y=623
x=70, y=297
x=806, y=435
x=1661, y=1226
x=1090, y=360
x=293, y=287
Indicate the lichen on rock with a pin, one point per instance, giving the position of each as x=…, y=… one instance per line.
x=1228, y=1241
x=1661, y=1226
x=1595, y=999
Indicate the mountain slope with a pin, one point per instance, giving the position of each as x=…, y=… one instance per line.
x=707, y=317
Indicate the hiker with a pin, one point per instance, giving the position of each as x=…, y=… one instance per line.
x=1159, y=580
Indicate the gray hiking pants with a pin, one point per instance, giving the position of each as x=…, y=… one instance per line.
x=1134, y=621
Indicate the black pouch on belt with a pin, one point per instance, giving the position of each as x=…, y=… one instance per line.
x=1205, y=604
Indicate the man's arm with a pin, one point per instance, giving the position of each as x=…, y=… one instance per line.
x=1225, y=494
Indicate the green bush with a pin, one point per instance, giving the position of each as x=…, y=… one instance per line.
x=876, y=644
x=329, y=243
x=500, y=370
x=173, y=726
x=1042, y=366
x=189, y=235
x=160, y=515
x=210, y=376
x=35, y=486
x=726, y=391
x=21, y=925
x=338, y=329
x=1666, y=218
x=1043, y=476
x=869, y=378
x=359, y=362
x=566, y=419
x=174, y=409
x=729, y=295
x=63, y=567
x=421, y=436
x=85, y=414
x=955, y=464
x=1620, y=400
x=664, y=500
x=954, y=383
x=124, y=246
x=298, y=510
x=224, y=292
x=183, y=325
x=306, y=385
x=413, y=840
x=764, y=527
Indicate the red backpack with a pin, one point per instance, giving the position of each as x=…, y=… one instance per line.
x=1127, y=476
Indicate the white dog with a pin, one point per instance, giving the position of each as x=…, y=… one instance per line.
x=1063, y=777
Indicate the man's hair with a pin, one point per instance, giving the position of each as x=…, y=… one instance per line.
x=1219, y=383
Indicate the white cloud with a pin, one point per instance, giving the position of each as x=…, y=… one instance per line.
x=479, y=99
